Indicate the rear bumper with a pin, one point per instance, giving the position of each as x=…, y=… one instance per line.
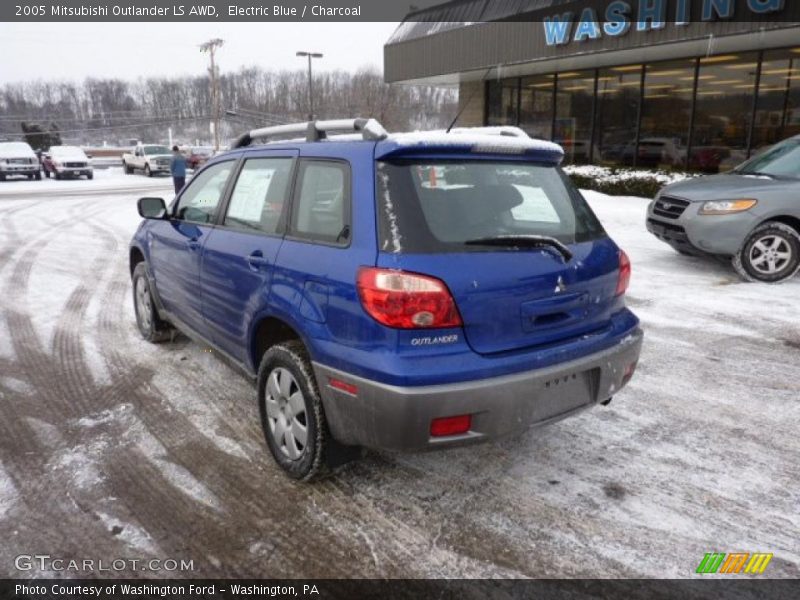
x=388, y=417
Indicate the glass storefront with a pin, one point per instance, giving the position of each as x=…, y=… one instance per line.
x=723, y=111
x=536, y=106
x=706, y=114
x=778, y=112
x=618, y=99
x=574, y=109
x=666, y=114
x=502, y=100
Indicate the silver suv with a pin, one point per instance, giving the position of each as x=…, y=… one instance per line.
x=751, y=214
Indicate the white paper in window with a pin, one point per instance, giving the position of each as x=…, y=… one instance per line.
x=536, y=206
x=250, y=193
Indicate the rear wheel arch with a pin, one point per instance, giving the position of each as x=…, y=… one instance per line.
x=269, y=331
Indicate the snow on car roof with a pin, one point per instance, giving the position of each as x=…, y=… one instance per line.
x=14, y=149
x=489, y=140
x=66, y=150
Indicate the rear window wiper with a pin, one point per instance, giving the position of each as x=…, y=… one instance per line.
x=524, y=241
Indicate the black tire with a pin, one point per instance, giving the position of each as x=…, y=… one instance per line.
x=56, y=174
x=90, y=176
x=770, y=254
x=2, y=176
x=128, y=170
x=309, y=461
x=38, y=176
x=147, y=171
x=153, y=329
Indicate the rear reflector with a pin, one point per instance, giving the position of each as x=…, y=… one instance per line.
x=451, y=425
x=343, y=385
x=629, y=370
x=624, y=273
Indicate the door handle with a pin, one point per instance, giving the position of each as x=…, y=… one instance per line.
x=193, y=244
x=257, y=260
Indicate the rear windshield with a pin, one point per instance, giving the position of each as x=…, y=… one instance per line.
x=431, y=207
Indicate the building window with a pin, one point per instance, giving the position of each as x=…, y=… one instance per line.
x=666, y=114
x=574, y=108
x=725, y=92
x=778, y=112
x=618, y=93
x=503, y=98
x=536, y=106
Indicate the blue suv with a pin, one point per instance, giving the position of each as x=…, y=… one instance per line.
x=398, y=292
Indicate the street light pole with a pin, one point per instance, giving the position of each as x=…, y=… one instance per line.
x=310, y=55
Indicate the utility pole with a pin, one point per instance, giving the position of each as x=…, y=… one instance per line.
x=310, y=55
x=211, y=47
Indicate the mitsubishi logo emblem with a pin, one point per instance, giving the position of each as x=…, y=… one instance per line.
x=560, y=285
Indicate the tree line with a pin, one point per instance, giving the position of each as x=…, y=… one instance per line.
x=117, y=111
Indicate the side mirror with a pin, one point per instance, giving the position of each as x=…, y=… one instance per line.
x=89, y=156
x=152, y=208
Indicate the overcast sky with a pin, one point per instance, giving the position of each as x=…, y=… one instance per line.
x=129, y=50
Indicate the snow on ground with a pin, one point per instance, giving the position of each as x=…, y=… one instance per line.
x=104, y=179
x=157, y=448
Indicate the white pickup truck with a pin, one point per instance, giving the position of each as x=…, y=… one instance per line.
x=150, y=158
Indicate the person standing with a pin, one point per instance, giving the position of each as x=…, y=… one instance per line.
x=177, y=167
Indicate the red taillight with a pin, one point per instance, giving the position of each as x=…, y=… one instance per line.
x=451, y=425
x=406, y=300
x=624, y=273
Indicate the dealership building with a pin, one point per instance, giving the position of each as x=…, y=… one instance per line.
x=650, y=83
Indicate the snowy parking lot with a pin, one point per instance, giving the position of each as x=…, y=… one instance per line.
x=112, y=447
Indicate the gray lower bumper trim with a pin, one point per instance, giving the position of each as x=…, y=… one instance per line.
x=390, y=417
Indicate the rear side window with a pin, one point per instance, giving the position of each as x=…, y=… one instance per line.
x=259, y=194
x=429, y=207
x=321, y=210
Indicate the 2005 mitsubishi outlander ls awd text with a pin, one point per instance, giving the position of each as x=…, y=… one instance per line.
x=396, y=292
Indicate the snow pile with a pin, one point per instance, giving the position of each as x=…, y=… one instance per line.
x=614, y=175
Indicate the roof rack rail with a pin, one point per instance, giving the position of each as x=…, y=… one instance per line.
x=314, y=131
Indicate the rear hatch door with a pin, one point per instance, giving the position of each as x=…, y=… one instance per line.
x=470, y=224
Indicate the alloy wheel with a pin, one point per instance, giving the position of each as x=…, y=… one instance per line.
x=144, y=308
x=770, y=254
x=286, y=413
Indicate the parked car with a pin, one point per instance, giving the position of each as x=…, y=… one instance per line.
x=18, y=158
x=751, y=214
x=710, y=159
x=66, y=161
x=376, y=308
x=661, y=151
x=197, y=156
x=150, y=158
